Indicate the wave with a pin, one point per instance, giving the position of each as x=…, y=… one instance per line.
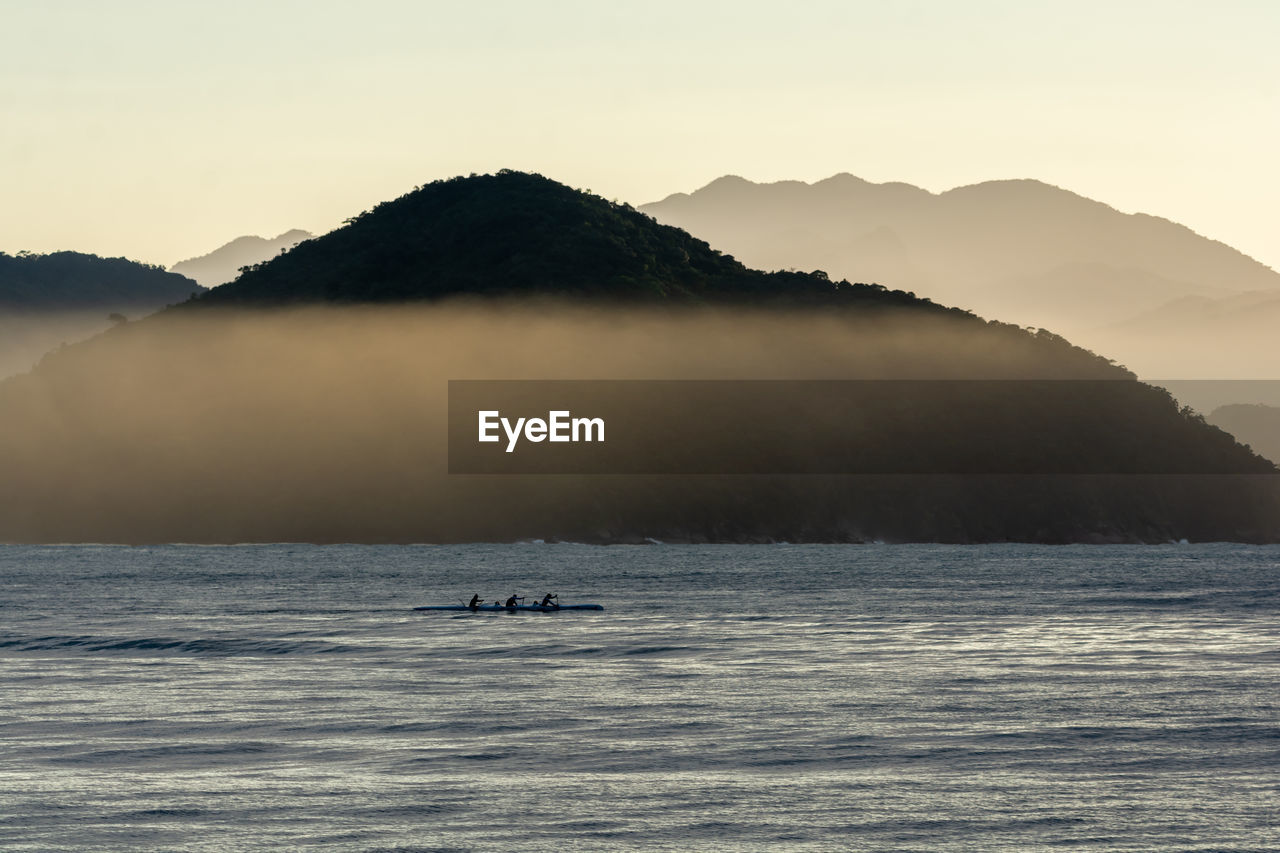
x=167, y=754
x=197, y=647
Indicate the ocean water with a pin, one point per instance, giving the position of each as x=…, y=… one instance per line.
x=727, y=698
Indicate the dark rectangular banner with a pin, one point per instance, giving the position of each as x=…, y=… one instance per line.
x=662, y=427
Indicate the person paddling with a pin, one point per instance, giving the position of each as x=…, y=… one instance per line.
x=474, y=602
x=550, y=601
x=514, y=600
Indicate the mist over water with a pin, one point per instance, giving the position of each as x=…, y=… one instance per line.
x=328, y=424
x=728, y=697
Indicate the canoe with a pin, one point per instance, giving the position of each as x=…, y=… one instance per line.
x=502, y=608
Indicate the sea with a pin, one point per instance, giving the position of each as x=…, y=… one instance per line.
x=736, y=698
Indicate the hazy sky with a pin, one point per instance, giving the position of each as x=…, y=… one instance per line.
x=159, y=130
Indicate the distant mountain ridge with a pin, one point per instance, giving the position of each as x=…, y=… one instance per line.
x=66, y=281
x=1020, y=250
x=1203, y=337
x=224, y=263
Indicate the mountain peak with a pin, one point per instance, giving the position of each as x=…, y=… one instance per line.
x=1024, y=250
x=728, y=182
x=518, y=234
x=1018, y=190
x=224, y=263
x=842, y=180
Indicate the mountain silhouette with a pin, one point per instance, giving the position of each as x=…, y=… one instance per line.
x=63, y=297
x=63, y=281
x=223, y=264
x=308, y=400
x=1020, y=250
x=511, y=234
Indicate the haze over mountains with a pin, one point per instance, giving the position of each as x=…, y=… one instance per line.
x=307, y=399
x=63, y=297
x=224, y=263
x=1146, y=291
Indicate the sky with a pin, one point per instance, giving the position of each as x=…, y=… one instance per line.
x=159, y=130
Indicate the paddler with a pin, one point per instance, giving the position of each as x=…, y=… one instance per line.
x=549, y=601
x=474, y=602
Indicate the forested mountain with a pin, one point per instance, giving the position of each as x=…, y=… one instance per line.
x=63, y=297
x=73, y=281
x=512, y=234
x=308, y=400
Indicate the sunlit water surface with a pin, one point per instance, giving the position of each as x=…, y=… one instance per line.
x=727, y=698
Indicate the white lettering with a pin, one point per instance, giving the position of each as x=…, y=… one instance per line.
x=559, y=421
x=512, y=434
x=587, y=424
x=558, y=427
x=488, y=422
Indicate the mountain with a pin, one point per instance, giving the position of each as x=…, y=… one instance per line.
x=514, y=233
x=62, y=297
x=224, y=263
x=310, y=400
x=1021, y=250
x=1199, y=337
x=72, y=281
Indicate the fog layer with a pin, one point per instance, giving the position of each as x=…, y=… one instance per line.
x=326, y=424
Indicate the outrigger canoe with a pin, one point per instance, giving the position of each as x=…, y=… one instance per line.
x=502, y=608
